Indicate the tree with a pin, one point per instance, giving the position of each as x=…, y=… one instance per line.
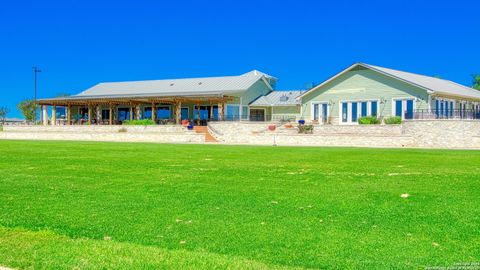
x=476, y=81
x=28, y=109
x=3, y=114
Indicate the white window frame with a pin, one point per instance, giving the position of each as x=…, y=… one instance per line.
x=320, y=111
x=359, y=110
x=404, y=105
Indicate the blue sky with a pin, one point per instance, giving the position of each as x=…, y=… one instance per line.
x=80, y=43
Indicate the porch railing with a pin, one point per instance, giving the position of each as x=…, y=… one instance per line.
x=442, y=114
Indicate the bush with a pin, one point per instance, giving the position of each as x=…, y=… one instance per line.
x=305, y=129
x=368, y=120
x=144, y=122
x=395, y=120
x=122, y=130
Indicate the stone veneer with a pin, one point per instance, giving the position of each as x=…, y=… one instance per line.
x=156, y=134
x=424, y=134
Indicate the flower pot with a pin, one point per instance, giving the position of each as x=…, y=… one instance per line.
x=190, y=127
x=272, y=127
x=301, y=122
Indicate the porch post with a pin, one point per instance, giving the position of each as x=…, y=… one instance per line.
x=54, y=115
x=211, y=111
x=45, y=115
x=154, y=113
x=69, y=114
x=198, y=114
x=110, y=115
x=178, y=112
x=220, y=112
x=137, y=112
x=131, y=112
x=99, y=114
x=89, y=114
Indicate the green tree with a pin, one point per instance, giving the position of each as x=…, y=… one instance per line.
x=476, y=81
x=28, y=109
x=3, y=114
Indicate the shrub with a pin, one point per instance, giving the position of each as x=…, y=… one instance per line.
x=122, y=130
x=305, y=129
x=395, y=120
x=368, y=120
x=144, y=122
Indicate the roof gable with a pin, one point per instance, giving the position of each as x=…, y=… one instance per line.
x=429, y=84
x=278, y=98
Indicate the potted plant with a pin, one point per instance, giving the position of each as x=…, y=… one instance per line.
x=301, y=122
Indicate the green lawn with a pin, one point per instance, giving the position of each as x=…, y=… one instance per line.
x=112, y=205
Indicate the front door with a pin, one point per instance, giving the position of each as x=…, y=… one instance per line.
x=257, y=115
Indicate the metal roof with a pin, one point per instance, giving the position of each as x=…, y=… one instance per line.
x=175, y=87
x=279, y=98
x=430, y=84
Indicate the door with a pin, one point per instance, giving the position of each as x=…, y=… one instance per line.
x=257, y=115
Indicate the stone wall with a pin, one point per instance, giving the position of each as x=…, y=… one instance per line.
x=155, y=134
x=424, y=134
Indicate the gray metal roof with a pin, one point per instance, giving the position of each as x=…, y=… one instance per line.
x=177, y=87
x=279, y=98
x=430, y=84
x=437, y=85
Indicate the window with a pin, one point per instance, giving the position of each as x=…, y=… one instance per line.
x=61, y=112
x=245, y=112
x=364, y=109
x=344, y=112
x=123, y=114
x=324, y=113
x=105, y=114
x=163, y=112
x=204, y=112
x=316, y=112
x=233, y=112
x=354, y=116
x=374, y=108
x=147, y=113
x=398, y=108
x=403, y=108
x=351, y=111
x=184, y=113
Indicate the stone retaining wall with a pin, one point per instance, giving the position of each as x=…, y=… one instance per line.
x=155, y=134
x=424, y=134
x=95, y=128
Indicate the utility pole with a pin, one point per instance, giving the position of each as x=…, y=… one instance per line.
x=35, y=71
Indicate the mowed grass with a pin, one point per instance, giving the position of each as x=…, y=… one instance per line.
x=148, y=206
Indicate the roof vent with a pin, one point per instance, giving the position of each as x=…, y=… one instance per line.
x=200, y=83
x=283, y=98
x=171, y=84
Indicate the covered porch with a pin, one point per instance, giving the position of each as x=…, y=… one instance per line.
x=117, y=110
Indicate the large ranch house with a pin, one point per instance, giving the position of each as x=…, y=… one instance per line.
x=360, y=90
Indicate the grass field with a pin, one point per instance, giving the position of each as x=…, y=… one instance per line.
x=109, y=205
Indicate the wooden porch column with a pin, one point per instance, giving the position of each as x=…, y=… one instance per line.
x=69, y=114
x=54, y=115
x=89, y=114
x=198, y=114
x=131, y=112
x=154, y=113
x=220, y=112
x=137, y=112
x=178, y=112
x=211, y=111
x=99, y=114
x=110, y=115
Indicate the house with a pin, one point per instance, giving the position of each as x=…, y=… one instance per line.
x=367, y=90
x=198, y=99
x=358, y=91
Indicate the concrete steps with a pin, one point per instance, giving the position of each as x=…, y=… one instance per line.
x=204, y=130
